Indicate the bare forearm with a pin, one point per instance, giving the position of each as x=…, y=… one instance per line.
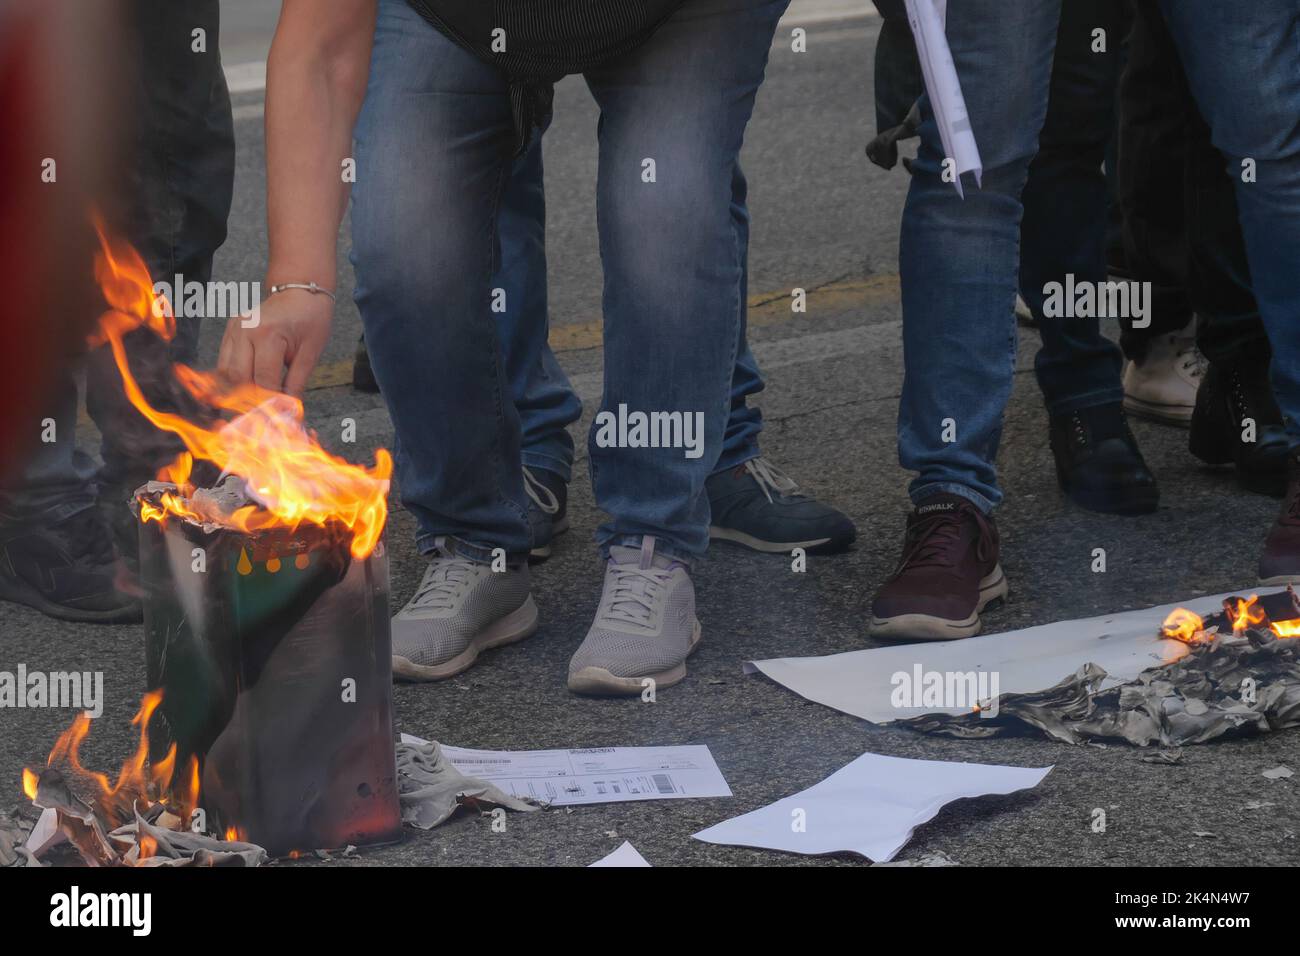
x=316, y=77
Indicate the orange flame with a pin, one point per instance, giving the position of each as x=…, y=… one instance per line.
x=29, y=784
x=136, y=781
x=293, y=479
x=1184, y=625
x=1248, y=614
x=1286, y=628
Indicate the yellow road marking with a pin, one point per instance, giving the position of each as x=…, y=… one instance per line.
x=766, y=309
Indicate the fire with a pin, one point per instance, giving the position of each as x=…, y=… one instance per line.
x=29, y=784
x=1286, y=628
x=137, y=781
x=262, y=439
x=1248, y=614
x=1188, y=626
x=1184, y=625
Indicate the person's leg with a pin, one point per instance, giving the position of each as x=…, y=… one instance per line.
x=1063, y=246
x=1230, y=334
x=1063, y=231
x=1241, y=66
x=544, y=399
x=672, y=119
x=673, y=255
x=958, y=260
x=752, y=502
x=546, y=402
x=56, y=548
x=433, y=150
x=182, y=184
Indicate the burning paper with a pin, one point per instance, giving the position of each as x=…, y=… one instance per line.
x=1242, y=676
x=866, y=683
x=253, y=433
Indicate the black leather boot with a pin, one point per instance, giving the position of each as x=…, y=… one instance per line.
x=1098, y=463
x=1229, y=399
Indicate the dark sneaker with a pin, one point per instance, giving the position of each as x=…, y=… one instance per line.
x=757, y=506
x=68, y=570
x=1280, y=562
x=1230, y=399
x=948, y=574
x=363, y=376
x=548, y=509
x=1098, y=464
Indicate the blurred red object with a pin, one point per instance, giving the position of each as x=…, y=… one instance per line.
x=61, y=97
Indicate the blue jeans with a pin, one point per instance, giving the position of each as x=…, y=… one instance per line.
x=546, y=402
x=434, y=156
x=1243, y=66
x=959, y=259
x=1064, y=228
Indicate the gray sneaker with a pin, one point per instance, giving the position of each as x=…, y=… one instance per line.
x=645, y=626
x=460, y=608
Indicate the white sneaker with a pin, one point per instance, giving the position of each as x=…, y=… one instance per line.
x=460, y=608
x=1163, y=386
x=645, y=626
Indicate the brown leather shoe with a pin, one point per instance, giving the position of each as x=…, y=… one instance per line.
x=948, y=574
x=1280, y=562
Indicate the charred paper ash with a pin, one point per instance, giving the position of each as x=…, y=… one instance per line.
x=1241, y=676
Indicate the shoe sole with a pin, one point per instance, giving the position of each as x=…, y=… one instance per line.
x=1179, y=415
x=597, y=680
x=1205, y=451
x=812, y=546
x=515, y=626
x=927, y=627
x=543, y=552
x=1129, y=504
x=133, y=614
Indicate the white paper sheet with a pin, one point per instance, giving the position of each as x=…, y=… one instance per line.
x=870, y=807
x=626, y=855
x=595, y=774
x=927, y=19
x=861, y=683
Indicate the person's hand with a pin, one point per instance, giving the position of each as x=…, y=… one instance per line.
x=279, y=352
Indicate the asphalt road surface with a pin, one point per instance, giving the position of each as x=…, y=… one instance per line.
x=825, y=220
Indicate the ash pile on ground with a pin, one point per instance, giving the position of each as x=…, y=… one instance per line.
x=1232, y=685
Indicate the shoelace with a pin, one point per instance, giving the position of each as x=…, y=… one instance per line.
x=770, y=479
x=536, y=490
x=1190, y=359
x=933, y=539
x=634, y=592
x=444, y=580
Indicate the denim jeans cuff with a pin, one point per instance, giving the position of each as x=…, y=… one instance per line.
x=662, y=547
x=479, y=554
x=747, y=452
x=559, y=466
x=952, y=488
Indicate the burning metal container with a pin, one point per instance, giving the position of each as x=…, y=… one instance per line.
x=272, y=650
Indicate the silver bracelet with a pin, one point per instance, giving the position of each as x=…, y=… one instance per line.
x=307, y=286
